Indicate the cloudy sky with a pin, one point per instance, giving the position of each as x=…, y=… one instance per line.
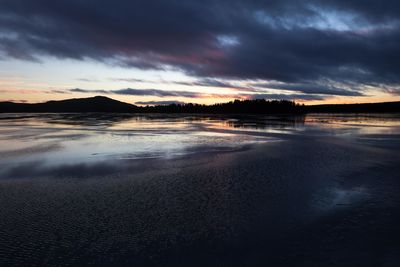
x=161, y=51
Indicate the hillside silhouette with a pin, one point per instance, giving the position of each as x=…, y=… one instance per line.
x=91, y=104
x=259, y=106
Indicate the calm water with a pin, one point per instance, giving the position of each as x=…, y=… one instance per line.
x=53, y=139
x=118, y=190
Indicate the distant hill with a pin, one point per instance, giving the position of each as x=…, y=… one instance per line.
x=259, y=106
x=91, y=104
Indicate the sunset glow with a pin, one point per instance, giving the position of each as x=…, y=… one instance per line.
x=313, y=53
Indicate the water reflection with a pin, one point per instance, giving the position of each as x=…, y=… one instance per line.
x=383, y=119
x=91, y=138
x=110, y=190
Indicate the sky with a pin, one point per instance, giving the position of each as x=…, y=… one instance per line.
x=165, y=51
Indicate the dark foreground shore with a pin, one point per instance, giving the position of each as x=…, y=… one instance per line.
x=311, y=199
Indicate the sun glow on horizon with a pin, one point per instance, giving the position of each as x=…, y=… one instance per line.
x=33, y=82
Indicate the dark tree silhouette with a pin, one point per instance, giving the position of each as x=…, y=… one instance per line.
x=258, y=106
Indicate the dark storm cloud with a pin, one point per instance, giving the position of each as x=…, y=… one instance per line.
x=155, y=103
x=89, y=80
x=295, y=42
x=311, y=89
x=79, y=90
x=139, y=92
x=208, y=82
x=131, y=80
x=202, y=82
x=155, y=92
x=284, y=96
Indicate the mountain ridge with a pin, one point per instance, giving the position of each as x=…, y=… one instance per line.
x=89, y=104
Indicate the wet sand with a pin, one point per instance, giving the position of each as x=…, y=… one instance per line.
x=319, y=196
